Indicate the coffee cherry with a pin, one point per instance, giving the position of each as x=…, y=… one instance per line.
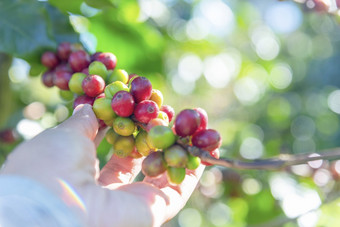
x=102, y=109
x=64, y=50
x=187, y=122
x=123, y=104
x=47, y=78
x=141, y=89
x=113, y=88
x=61, y=79
x=49, y=59
x=79, y=60
x=93, y=85
x=94, y=56
x=109, y=60
x=111, y=136
x=84, y=99
x=109, y=122
x=157, y=97
x=203, y=119
x=154, y=122
x=101, y=95
x=75, y=83
x=123, y=146
x=124, y=126
x=168, y=110
x=207, y=139
x=66, y=95
x=176, y=156
x=8, y=136
x=63, y=67
x=193, y=162
x=145, y=111
x=161, y=137
x=131, y=78
x=163, y=116
x=98, y=68
x=135, y=154
x=154, y=164
x=141, y=143
x=175, y=175
x=215, y=153
x=119, y=75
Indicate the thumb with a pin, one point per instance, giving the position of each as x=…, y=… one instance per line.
x=83, y=121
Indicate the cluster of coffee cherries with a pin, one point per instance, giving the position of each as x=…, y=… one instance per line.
x=140, y=125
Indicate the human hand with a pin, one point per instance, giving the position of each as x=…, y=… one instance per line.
x=64, y=158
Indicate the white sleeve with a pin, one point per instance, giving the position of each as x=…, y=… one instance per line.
x=24, y=202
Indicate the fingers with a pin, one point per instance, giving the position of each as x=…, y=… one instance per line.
x=83, y=121
x=177, y=195
x=120, y=170
x=100, y=136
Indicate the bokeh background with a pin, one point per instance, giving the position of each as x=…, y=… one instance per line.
x=266, y=72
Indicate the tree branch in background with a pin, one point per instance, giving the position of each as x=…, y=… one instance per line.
x=275, y=163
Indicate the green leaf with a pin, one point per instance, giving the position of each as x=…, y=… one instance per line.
x=101, y=4
x=23, y=27
x=67, y=6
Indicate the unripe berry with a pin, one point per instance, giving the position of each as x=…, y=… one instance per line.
x=111, y=136
x=75, y=83
x=153, y=165
x=141, y=143
x=161, y=137
x=175, y=175
x=123, y=146
x=157, y=97
x=98, y=68
x=113, y=88
x=176, y=156
x=124, y=126
x=119, y=75
x=102, y=109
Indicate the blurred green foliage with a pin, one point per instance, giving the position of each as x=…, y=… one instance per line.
x=266, y=72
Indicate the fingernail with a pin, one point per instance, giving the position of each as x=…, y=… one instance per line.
x=79, y=107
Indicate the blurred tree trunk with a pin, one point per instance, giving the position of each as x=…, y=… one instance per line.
x=6, y=100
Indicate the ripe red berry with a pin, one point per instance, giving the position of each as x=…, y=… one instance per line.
x=84, y=99
x=8, y=136
x=145, y=111
x=79, y=60
x=123, y=103
x=169, y=111
x=141, y=89
x=93, y=85
x=215, y=153
x=203, y=119
x=85, y=71
x=61, y=79
x=64, y=50
x=109, y=60
x=94, y=56
x=47, y=78
x=187, y=122
x=207, y=139
x=63, y=67
x=49, y=59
